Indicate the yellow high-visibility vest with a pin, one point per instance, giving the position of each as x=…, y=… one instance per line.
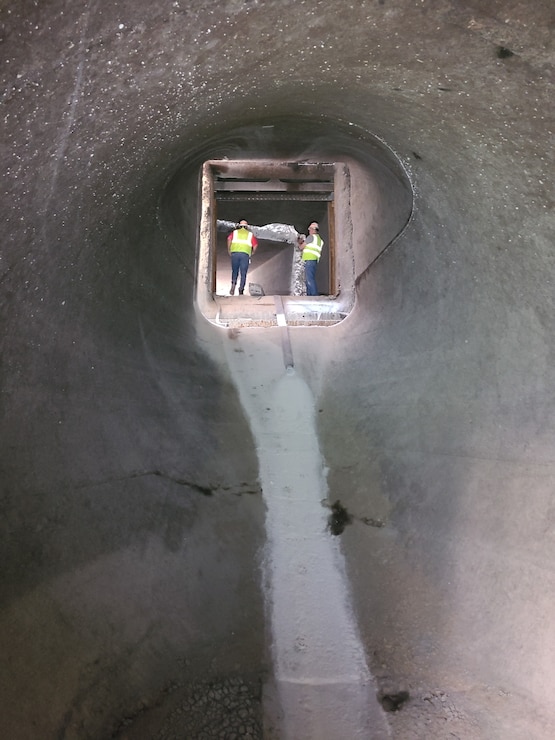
x=313, y=247
x=241, y=241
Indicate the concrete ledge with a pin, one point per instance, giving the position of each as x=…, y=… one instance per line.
x=259, y=311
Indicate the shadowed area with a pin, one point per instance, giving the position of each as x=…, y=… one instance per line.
x=133, y=524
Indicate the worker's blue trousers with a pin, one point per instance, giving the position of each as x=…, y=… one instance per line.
x=239, y=266
x=310, y=276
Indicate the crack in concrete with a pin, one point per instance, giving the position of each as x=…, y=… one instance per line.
x=205, y=490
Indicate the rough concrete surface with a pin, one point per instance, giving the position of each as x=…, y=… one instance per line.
x=133, y=519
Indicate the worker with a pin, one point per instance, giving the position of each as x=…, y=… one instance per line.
x=241, y=245
x=311, y=247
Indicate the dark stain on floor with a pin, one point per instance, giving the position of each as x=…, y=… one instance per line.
x=339, y=518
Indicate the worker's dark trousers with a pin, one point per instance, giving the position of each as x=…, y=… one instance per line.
x=239, y=265
x=310, y=276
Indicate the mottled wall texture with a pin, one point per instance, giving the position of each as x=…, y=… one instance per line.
x=132, y=519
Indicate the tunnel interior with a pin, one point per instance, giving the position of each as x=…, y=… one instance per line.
x=133, y=536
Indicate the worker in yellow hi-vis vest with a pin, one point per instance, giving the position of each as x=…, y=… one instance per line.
x=241, y=245
x=311, y=247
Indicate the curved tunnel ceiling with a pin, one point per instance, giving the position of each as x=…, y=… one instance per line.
x=133, y=516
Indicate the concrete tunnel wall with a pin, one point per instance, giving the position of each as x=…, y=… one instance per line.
x=132, y=517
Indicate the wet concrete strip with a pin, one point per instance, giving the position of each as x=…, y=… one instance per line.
x=284, y=331
x=321, y=679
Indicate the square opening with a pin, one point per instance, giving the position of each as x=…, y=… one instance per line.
x=278, y=199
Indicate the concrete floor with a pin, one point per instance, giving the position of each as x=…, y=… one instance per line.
x=133, y=517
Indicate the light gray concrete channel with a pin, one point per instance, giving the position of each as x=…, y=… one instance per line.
x=322, y=683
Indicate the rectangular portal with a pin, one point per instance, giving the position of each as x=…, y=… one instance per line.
x=278, y=199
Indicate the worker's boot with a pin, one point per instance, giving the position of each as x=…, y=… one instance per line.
x=232, y=289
